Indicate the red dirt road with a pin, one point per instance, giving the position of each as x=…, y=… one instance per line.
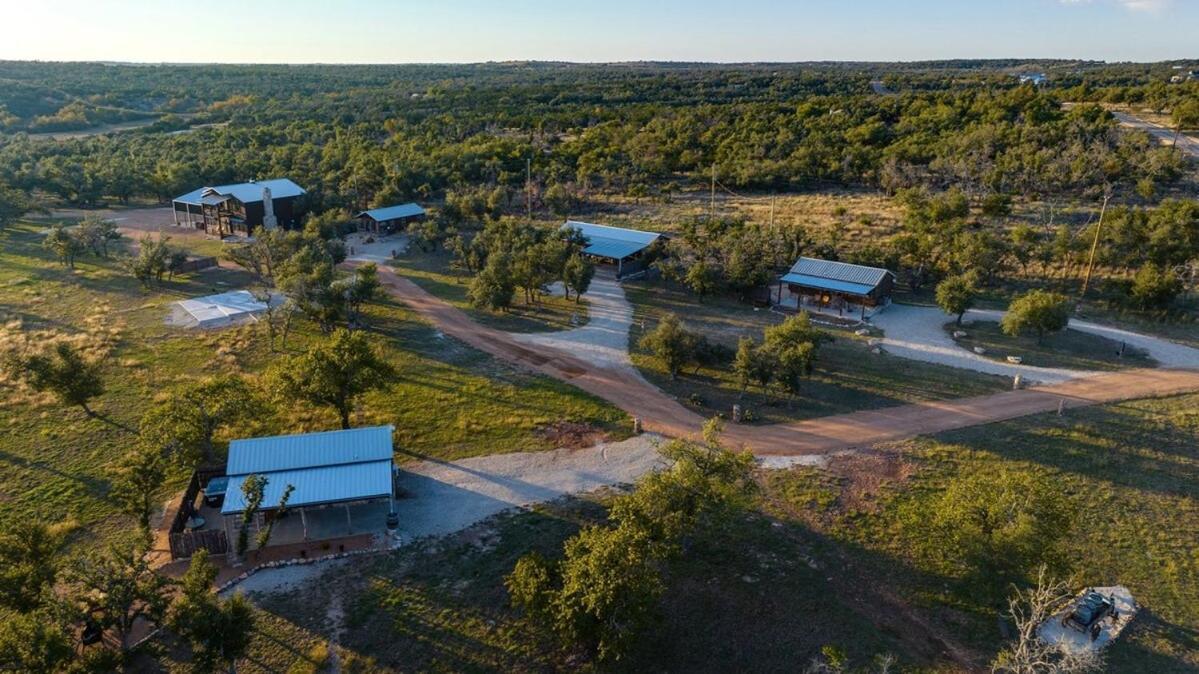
x=660, y=413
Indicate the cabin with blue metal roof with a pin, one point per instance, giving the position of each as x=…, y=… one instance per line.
x=338, y=484
x=826, y=285
x=387, y=219
x=240, y=208
x=618, y=246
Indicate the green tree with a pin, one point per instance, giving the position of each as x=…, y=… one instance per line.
x=65, y=373
x=137, y=481
x=65, y=245
x=703, y=278
x=997, y=527
x=670, y=343
x=252, y=489
x=187, y=421
x=28, y=564
x=576, y=276
x=357, y=289
x=154, y=259
x=492, y=287
x=264, y=534
x=13, y=205
x=219, y=632
x=34, y=643
x=121, y=586
x=98, y=234
x=1185, y=116
x=1037, y=311
x=605, y=590
x=1154, y=286
x=335, y=372
x=308, y=279
x=793, y=346
x=955, y=295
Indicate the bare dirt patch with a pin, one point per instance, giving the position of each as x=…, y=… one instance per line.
x=572, y=435
x=866, y=475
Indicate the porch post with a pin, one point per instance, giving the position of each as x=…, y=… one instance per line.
x=174, y=214
x=304, y=522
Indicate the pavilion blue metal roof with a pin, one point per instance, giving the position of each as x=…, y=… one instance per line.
x=392, y=212
x=327, y=467
x=316, y=486
x=309, y=450
x=842, y=277
x=247, y=193
x=615, y=243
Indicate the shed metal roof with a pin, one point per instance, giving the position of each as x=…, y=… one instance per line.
x=392, y=212
x=314, y=486
x=309, y=450
x=614, y=243
x=839, y=271
x=247, y=193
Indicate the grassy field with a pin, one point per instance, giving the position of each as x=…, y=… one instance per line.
x=1130, y=469
x=1070, y=349
x=848, y=376
x=432, y=272
x=746, y=595
x=448, y=401
x=827, y=557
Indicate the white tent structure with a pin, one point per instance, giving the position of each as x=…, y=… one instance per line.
x=214, y=311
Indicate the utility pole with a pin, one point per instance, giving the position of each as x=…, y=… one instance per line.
x=712, y=206
x=529, y=187
x=772, y=212
x=1086, y=282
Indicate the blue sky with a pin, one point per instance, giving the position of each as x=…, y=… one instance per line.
x=403, y=31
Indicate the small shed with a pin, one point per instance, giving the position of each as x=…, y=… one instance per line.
x=387, y=219
x=826, y=284
x=614, y=245
x=342, y=483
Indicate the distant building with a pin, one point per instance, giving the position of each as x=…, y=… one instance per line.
x=388, y=219
x=619, y=246
x=341, y=485
x=1035, y=79
x=240, y=208
x=827, y=285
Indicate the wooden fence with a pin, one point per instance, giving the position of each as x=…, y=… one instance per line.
x=183, y=542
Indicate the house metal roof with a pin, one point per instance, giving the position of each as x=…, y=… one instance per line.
x=314, y=486
x=615, y=243
x=247, y=193
x=827, y=284
x=839, y=271
x=309, y=450
x=392, y=212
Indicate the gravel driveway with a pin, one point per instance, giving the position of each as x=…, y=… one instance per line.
x=916, y=332
x=604, y=341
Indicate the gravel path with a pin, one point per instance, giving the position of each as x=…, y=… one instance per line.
x=604, y=340
x=916, y=332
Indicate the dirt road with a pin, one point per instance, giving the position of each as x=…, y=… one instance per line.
x=662, y=414
x=1165, y=136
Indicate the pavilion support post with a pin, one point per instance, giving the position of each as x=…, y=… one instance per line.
x=304, y=522
x=619, y=267
x=349, y=522
x=175, y=214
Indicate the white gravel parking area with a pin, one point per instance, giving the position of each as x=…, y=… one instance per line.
x=916, y=332
x=440, y=497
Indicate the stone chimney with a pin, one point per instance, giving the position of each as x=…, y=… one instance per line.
x=269, y=221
